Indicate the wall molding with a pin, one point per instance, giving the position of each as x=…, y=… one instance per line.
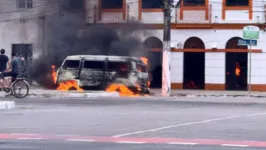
x=220, y=87
x=217, y=50
x=200, y=26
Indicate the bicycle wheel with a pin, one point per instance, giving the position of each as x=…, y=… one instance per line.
x=20, y=88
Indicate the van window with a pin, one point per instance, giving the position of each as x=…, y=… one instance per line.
x=71, y=64
x=93, y=65
x=141, y=68
x=118, y=66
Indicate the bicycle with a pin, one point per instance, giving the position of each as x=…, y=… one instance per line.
x=17, y=86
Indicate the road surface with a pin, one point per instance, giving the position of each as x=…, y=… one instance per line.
x=133, y=123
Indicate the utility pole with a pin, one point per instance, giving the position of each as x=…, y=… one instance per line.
x=166, y=68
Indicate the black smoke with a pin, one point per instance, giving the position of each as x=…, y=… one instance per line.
x=67, y=34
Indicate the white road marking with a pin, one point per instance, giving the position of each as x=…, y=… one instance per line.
x=80, y=140
x=181, y=143
x=30, y=138
x=172, y=126
x=257, y=114
x=67, y=135
x=129, y=142
x=187, y=124
x=14, y=134
x=234, y=145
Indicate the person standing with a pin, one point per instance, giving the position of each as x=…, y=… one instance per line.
x=3, y=60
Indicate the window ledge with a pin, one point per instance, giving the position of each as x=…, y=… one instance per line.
x=24, y=9
x=152, y=10
x=112, y=10
x=237, y=7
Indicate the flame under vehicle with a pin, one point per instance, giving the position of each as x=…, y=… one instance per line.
x=100, y=71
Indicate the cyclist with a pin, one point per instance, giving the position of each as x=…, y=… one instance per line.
x=12, y=70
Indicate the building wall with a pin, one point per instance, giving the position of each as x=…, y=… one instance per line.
x=215, y=62
x=212, y=12
x=21, y=26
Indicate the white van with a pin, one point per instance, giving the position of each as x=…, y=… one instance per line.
x=99, y=71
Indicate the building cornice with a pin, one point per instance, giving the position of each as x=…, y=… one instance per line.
x=195, y=25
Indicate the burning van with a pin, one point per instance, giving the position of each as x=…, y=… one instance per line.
x=99, y=72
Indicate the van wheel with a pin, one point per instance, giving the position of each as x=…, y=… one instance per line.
x=72, y=88
x=146, y=91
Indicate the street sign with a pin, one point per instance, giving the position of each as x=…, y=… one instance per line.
x=251, y=32
x=247, y=42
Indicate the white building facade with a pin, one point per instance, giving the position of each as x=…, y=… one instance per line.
x=204, y=37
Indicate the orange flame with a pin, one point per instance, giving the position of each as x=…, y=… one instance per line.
x=144, y=60
x=122, y=89
x=53, y=74
x=65, y=86
x=238, y=70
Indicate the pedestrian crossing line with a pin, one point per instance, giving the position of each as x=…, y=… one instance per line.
x=80, y=140
x=31, y=138
x=234, y=145
x=130, y=142
x=181, y=143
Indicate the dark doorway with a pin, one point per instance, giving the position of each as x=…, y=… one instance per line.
x=154, y=46
x=236, y=67
x=25, y=52
x=194, y=65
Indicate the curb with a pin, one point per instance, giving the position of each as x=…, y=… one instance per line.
x=6, y=105
x=218, y=95
x=74, y=95
x=212, y=95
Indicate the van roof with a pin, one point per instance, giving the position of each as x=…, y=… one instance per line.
x=100, y=57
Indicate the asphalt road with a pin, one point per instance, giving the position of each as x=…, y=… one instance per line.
x=133, y=123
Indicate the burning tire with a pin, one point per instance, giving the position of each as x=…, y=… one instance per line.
x=72, y=88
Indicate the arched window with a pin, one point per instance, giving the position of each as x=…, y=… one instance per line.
x=153, y=42
x=233, y=44
x=194, y=42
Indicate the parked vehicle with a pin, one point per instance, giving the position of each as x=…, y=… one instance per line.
x=99, y=71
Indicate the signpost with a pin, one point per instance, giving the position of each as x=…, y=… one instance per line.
x=247, y=42
x=250, y=33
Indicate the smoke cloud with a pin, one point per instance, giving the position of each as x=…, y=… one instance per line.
x=66, y=34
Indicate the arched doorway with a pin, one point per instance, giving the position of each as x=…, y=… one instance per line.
x=194, y=64
x=154, y=46
x=236, y=66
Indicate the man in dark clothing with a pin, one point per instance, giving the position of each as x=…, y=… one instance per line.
x=13, y=70
x=3, y=60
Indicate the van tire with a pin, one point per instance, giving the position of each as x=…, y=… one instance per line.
x=146, y=91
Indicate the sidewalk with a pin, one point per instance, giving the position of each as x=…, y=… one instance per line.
x=38, y=92
x=209, y=93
